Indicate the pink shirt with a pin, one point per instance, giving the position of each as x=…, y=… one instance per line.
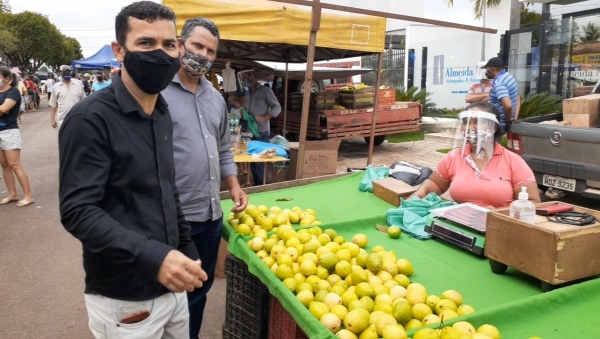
x=491, y=187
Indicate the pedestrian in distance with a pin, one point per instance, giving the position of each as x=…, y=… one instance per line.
x=202, y=146
x=504, y=93
x=100, y=83
x=117, y=189
x=10, y=140
x=65, y=95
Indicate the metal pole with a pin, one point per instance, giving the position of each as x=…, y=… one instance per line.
x=312, y=42
x=375, y=104
x=285, y=98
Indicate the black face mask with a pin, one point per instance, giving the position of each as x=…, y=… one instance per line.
x=99, y=78
x=152, y=71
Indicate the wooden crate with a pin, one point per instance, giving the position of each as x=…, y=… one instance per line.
x=392, y=190
x=295, y=101
x=387, y=96
x=358, y=98
x=552, y=252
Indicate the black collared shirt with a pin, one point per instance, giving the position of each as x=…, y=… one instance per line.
x=118, y=195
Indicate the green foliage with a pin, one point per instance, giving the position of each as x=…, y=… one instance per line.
x=589, y=33
x=540, y=104
x=38, y=39
x=413, y=94
x=405, y=137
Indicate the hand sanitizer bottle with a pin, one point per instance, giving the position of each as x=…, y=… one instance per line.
x=523, y=209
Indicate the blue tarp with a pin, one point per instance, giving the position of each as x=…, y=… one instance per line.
x=102, y=59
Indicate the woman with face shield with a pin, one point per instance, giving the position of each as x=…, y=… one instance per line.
x=479, y=170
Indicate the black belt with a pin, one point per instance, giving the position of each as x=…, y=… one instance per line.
x=573, y=218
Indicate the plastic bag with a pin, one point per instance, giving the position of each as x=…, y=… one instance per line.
x=256, y=147
x=412, y=214
x=281, y=141
x=372, y=174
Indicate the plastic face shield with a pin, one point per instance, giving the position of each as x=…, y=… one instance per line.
x=475, y=131
x=243, y=77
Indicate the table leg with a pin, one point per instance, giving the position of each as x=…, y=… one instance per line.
x=265, y=173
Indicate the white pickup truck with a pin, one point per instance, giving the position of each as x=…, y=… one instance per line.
x=562, y=157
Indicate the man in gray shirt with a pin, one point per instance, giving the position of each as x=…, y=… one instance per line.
x=202, y=150
x=262, y=104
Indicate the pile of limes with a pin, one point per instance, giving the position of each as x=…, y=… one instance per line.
x=257, y=218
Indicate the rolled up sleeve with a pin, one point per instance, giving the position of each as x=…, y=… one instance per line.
x=226, y=162
x=85, y=164
x=273, y=103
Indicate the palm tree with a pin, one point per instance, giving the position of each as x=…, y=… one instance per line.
x=479, y=11
x=589, y=33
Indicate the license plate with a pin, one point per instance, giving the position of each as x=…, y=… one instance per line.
x=559, y=182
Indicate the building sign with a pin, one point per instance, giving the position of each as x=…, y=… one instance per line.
x=589, y=59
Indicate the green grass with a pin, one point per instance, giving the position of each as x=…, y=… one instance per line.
x=446, y=150
x=406, y=137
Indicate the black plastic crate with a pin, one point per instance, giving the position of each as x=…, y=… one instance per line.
x=247, y=303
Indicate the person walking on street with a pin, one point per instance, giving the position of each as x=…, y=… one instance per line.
x=10, y=140
x=100, y=83
x=87, y=87
x=263, y=105
x=117, y=189
x=23, y=90
x=503, y=95
x=37, y=83
x=202, y=151
x=49, y=84
x=31, y=92
x=65, y=95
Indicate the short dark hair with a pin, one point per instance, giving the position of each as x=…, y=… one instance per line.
x=100, y=72
x=190, y=24
x=141, y=10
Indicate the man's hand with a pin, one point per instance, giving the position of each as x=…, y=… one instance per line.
x=239, y=198
x=53, y=123
x=179, y=273
x=260, y=119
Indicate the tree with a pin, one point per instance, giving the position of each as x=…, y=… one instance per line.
x=37, y=38
x=589, y=33
x=5, y=6
x=479, y=6
x=70, y=50
x=530, y=18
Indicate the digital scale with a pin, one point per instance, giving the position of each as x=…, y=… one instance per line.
x=462, y=225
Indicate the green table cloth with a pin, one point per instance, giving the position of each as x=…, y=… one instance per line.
x=513, y=302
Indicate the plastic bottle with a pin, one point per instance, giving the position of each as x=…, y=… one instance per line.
x=523, y=209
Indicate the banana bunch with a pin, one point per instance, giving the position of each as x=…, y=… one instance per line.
x=352, y=87
x=338, y=107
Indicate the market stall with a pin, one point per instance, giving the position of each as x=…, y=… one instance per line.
x=513, y=302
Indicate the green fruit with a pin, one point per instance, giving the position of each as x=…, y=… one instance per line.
x=361, y=259
x=320, y=296
x=356, y=304
x=369, y=303
x=412, y=324
x=394, y=232
x=490, y=331
x=317, y=309
x=357, y=320
x=402, y=312
x=374, y=263
x=359, y=277
x=369, y=333
x=383, y=321
x=305, y=297
x=426, y=333
x=345, y=334
x=394, y=332
x=364, y=289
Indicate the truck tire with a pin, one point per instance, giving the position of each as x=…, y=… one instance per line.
x=379, y=139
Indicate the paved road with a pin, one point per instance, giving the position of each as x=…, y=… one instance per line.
x=41, y=276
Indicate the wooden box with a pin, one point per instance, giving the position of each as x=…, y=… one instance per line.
x=387, y=96
x=357, y=98
x=391, y=190
x=552, y=252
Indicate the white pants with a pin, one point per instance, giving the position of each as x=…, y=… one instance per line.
x=169, y=317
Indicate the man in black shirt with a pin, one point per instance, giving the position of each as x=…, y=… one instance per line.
x=117, y=189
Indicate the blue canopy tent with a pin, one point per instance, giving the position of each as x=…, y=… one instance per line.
x=104, y=58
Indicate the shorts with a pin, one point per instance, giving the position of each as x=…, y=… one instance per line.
x=10, y=139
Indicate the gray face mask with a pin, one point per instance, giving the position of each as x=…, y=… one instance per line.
x=195, y=64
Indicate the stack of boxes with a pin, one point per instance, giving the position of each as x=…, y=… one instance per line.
x=582, y=111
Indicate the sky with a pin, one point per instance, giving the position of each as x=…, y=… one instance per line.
x=95, y=28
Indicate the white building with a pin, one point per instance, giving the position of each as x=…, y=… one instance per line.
x=452, y=54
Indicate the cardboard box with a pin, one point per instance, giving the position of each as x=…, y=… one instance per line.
x=223, y=252
x=391, y=190
x=320, y=158
x=552, y=252
x=582, y=111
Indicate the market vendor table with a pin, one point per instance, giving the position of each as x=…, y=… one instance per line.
x=246, y=159
x=513, y=302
